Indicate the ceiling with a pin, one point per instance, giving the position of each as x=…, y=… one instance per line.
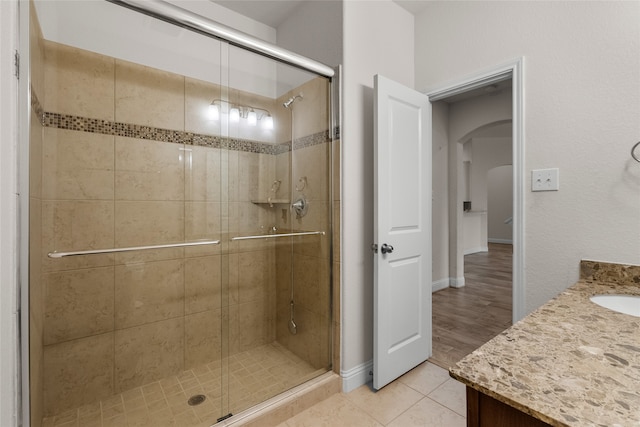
x=275, y=12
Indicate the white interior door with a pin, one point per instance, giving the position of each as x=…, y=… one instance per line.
x=402, y=230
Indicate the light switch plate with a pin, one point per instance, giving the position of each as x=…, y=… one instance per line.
x=545, y=179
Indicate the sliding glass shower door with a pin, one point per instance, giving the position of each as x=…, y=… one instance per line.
x=180, y=222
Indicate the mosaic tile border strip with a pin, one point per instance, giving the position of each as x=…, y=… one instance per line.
x=106, y=127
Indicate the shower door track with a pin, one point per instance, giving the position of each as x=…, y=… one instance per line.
x=131, y=248
x=194, y=22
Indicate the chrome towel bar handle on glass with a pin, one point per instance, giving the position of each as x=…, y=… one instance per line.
x=131, y=248
x=178, y=245
x=271, y=236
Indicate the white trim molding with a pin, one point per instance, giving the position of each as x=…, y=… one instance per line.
x=500, y=241
x=356, y=376
x=456, y=282
x=476, y=250
x=440, y=284
x=513, y=69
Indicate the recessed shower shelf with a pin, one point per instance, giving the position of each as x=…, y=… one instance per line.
x=271, y=202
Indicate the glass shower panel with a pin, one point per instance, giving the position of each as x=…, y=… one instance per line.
x=279, y=255
x=180, y=230
x=130, y=164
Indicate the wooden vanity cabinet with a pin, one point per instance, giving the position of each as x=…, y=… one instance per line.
x=485, y=411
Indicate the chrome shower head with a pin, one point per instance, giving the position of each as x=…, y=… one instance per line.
x=290, y=101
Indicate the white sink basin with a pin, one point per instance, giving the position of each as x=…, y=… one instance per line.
x=626, y=304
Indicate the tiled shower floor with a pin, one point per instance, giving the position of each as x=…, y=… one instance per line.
x=254, y=376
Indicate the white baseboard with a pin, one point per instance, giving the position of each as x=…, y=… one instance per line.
x=476, y=250
x=456, y=282
x=440, y=284
x=356, y=376
x=501, y=241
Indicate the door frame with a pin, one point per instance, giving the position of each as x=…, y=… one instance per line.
x=514, y=70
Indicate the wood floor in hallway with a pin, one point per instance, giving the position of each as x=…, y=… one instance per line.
x=465, y=318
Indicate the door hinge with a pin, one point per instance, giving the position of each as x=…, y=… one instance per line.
x=16, y=62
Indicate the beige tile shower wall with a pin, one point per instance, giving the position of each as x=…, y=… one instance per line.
x=307, y=264
x=36, y=311
x=112, y=322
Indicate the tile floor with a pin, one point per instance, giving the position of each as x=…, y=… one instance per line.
x=254, y=376
x=425, y=396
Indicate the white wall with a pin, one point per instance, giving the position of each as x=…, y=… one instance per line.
x=486, y=154
x=314, y=29
x=8, y=215
x=454, y=124
x=582, y=103
x=115, y=31
x=378, y=39
x=440, y=218
x=500, y=204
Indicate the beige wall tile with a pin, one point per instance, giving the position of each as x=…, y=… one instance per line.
x=202, y=285
x=78, y=303
x=312, y=163
x=202, y=338
x=311, y=283
x=149, y=170
x=76, y=226
x=77, y=165
x=202, y=221
x=148, y=223
x=267, y=178
x=36, y=368
x=306, y=343
x=36, y=51
x=231, y=279
x=249, y=175
x=203, y=174
x=147, y=353
x=148, y=255
x=149, y=292
x=229, y=175
x=255, y=275
x=78, y=372
x=150, y=97
x=36, y=312
x=313, y=112
x=78, y=82
x=35, y=157
x=283, y=173
x=252, y=328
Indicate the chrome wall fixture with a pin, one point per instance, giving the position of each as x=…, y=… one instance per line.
x=237, y=111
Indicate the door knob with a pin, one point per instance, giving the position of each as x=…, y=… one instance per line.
x=386, y=249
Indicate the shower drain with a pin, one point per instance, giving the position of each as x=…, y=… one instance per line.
x=196, y=400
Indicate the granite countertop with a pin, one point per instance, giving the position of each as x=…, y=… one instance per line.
x=570, y=362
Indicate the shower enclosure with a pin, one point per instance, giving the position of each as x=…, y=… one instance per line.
x=180, y=221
